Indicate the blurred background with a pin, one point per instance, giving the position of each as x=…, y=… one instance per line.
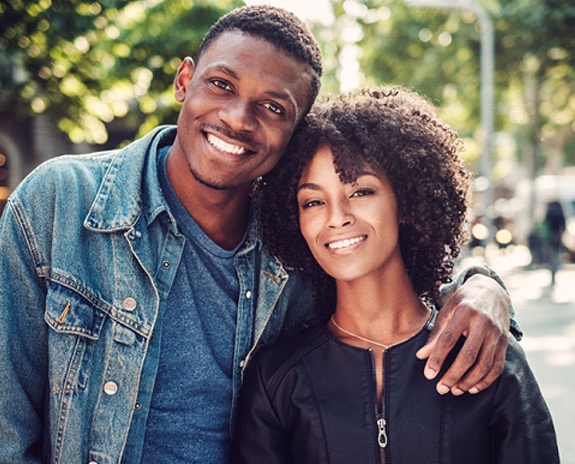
x=78, y=76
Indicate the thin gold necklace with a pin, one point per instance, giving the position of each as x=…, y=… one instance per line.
x=359, y=337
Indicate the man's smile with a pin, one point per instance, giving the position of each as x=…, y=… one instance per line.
x=226, y=147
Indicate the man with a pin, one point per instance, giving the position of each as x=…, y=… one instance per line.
x=135, y=284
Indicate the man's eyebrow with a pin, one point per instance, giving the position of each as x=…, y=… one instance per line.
x=224, y=69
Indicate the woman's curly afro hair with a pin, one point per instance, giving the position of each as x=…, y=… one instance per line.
x=393, y=129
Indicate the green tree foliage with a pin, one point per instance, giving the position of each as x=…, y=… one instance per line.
x=437, y=51
x=91, y=62
x=536, y=50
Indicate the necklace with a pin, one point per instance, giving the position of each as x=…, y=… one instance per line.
x=359, y=337
x=373, y=342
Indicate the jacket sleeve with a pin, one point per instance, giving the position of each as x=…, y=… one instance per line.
x=448, y=289
x=23, y=347
x=259, y=434
x=521, y=421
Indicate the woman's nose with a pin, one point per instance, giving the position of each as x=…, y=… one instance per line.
x=340, y=216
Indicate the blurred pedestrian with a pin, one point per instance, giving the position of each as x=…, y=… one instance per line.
x=554, y=228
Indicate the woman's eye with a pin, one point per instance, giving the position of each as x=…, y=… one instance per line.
x=310, y=204
x=363, y=192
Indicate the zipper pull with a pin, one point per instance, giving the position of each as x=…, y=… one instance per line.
x=381, y=435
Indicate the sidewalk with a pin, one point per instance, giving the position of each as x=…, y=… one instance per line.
x=547, y=317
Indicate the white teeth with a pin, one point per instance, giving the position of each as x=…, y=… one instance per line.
x=224, y=146
x=345, y=243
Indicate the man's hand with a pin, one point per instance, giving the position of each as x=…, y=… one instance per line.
x=479, y=310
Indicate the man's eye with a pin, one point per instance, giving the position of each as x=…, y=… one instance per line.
x=221, y=84
x=274, y=108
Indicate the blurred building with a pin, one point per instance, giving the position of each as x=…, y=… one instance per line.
x=25, y=143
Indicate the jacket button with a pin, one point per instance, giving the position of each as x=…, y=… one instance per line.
x=248, y=294
x=110, y=387
x=166, y=264
x=129, y=304
x=92, y=462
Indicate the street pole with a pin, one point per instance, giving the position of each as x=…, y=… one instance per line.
x=487, y=65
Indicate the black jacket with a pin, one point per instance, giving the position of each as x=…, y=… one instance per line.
x=311, y=399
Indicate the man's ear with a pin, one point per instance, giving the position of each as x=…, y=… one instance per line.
x=183, y=77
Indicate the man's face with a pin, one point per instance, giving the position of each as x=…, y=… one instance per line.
x=241, y=104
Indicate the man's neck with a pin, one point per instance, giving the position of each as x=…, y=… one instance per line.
x=223, y=215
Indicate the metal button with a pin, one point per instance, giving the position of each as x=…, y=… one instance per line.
x=138, y=234
x=110, y=387
x=248, y=294
x=166, y=264
x=92, y=462
x=138, y=406
x=129, y=304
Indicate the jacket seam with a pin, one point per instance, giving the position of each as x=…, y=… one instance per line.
x=318, y=408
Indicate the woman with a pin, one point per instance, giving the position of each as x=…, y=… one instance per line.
x=375, y=217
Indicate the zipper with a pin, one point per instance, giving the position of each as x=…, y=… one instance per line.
x=380, y=422
x=381, y=432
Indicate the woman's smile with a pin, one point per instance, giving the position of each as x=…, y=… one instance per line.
x=346, y=243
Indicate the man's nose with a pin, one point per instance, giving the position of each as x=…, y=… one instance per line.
x=238, y=115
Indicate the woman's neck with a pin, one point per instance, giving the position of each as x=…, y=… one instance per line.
x=383, y=310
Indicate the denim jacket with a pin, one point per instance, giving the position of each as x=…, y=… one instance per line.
x=89, y=250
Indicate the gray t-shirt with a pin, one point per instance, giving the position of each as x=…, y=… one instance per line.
x=192, y=398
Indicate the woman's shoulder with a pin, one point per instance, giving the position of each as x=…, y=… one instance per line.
x=517, y=373
x=289, y=351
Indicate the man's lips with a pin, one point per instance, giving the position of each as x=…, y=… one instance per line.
x=345, y=243
x=225, y=147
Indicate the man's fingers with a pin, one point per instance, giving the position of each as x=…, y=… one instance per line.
x=441, y=321
x=487, y=369
x=453, y=379
x=442, y=344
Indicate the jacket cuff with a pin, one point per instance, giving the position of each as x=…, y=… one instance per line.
x=466, y=273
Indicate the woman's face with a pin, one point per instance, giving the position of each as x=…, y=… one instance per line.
x=351, y=229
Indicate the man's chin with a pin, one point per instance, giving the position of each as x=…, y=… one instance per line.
x=209, y=183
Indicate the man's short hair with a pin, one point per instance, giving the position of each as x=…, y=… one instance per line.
x=277, y=26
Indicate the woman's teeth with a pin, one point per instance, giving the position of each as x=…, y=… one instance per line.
x=345, y=243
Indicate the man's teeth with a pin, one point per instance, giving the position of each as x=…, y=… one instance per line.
x=345, y=243
x=224, y=146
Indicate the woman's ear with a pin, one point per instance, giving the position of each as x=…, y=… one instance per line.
x=183, y=77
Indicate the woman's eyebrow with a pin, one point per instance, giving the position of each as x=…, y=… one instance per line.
x=309, y=185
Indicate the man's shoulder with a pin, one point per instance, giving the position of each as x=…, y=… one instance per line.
x=85, y=172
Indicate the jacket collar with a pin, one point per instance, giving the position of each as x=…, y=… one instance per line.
x=130, y=187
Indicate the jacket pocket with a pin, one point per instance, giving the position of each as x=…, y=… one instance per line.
x=76, y=325
x=68, y=312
